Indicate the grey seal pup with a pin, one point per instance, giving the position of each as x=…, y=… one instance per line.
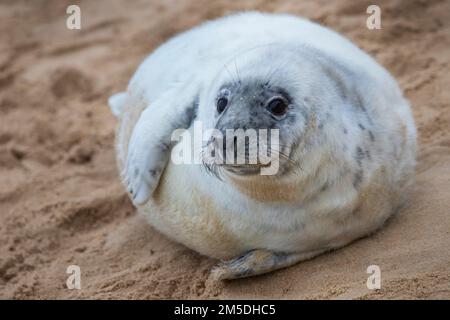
x=346, y=148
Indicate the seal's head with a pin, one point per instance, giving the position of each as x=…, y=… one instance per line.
x=258, y=107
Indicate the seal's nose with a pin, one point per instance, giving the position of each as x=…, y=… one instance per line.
x=238, y=115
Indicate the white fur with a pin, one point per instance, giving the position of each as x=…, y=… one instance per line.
x=218, y=219
x=117, y=102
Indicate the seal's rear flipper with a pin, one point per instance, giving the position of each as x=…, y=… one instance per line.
x=117, y=102
x=259, y=261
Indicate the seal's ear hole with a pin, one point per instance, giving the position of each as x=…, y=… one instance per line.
x=221, y=104
x=277, y=106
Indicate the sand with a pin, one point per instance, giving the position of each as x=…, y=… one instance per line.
x=61, y=202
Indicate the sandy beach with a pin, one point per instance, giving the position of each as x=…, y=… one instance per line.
x=61, y=201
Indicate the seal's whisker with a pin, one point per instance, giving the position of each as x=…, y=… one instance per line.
x=233, y=78
x=273, y=71
x=274, y=150
x=237, y=70
x=210, y=166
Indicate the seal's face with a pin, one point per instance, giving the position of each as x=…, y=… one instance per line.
x=247, y=114
x=256, y=122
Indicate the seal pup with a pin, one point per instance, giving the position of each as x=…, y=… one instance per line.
x=346, y=136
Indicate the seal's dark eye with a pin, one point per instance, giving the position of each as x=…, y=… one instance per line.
x=221, y=104
x=277, y=106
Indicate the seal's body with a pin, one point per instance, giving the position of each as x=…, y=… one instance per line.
x=345, y=127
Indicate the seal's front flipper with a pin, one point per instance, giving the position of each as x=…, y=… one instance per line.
x=150, y=144
x=258, y=262
x=148, y=152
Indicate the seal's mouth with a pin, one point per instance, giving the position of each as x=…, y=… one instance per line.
x=242, y=159
x=244, y=169
x=218, y=169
